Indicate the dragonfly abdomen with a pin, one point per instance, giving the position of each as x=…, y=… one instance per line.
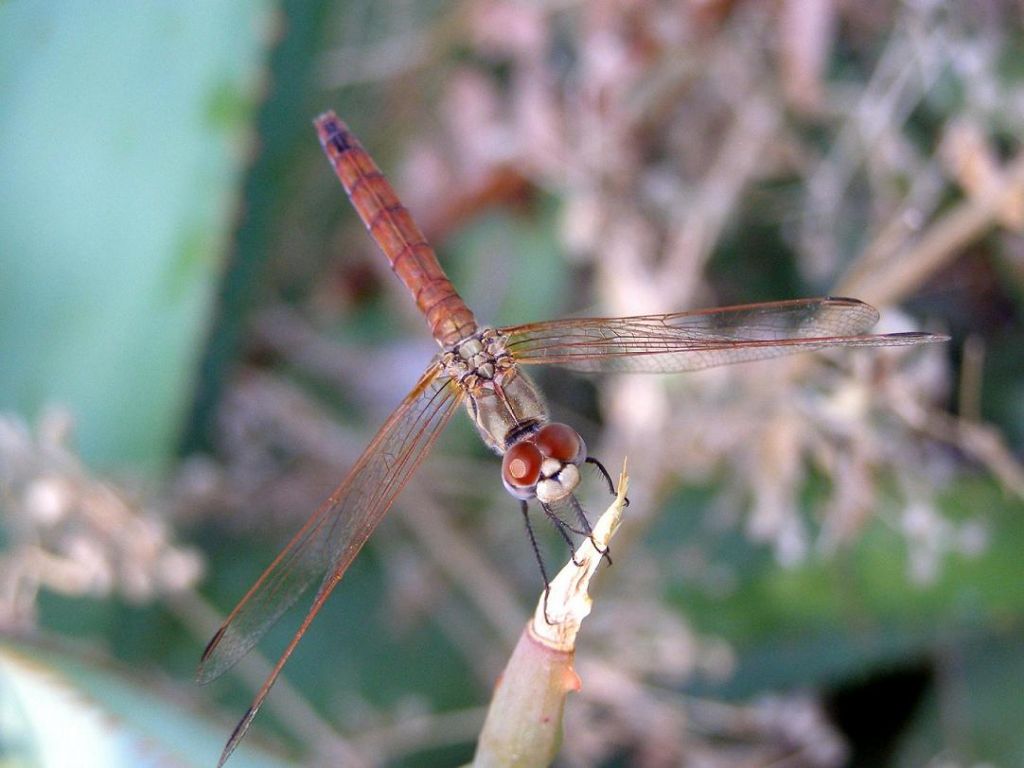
x=391, y=225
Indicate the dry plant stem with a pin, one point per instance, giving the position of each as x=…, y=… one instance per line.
x=396, y=56
x=462, y=564
x=806, y=37
x=756, y=124
x=897, y=277
x=981, y=442
x=901, y=77
x=971, y=379
x=524, y=722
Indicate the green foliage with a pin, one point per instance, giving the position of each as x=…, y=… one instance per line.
x=832, y=621
x=63, y=709
x=122, y=139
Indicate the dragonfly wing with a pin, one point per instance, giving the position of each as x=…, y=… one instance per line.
x=689, y=341
x=332, y=537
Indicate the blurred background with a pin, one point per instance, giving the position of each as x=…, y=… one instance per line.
x=821, y=562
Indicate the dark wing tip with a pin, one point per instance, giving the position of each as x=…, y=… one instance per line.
x=850, y=305
x=203, y=674
x=917, y=337
x=236, y=736
x=906, y=339
x=846, y=300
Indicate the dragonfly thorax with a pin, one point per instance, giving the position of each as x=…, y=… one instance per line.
x=478, y=357
x=503, y=402
x=540, y=459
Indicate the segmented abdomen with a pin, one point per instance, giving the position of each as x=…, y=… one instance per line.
x=391, y=225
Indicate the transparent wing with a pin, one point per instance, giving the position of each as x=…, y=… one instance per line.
x=689, y=341
x=331, y=538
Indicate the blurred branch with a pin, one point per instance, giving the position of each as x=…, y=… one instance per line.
x=981, y=442
x=908, y=67
x=463, y=564
x=398, y=55
x=806, y=32
x=66, y=529
x=969, y=401
x=890, y=279
x=740, y=157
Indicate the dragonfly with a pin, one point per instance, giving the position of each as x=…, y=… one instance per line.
x=484, y=368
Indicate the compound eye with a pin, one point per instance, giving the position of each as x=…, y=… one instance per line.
x=562, y=442
x=520, y=469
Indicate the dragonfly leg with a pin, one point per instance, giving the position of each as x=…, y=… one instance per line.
x=607, y=477
x=588, y=531
x=562, y=528
x=536, y=553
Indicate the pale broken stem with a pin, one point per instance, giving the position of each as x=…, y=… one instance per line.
x=893, y=278
x=524, y=722
x=568, y=602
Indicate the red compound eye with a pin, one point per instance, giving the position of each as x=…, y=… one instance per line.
x=520, y=469
x=560, y=441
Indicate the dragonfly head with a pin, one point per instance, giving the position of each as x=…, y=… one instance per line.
x=544, y=464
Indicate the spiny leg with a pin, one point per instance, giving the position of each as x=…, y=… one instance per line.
x=561, y=526
x=536, y=553
x=603, y=551
x=564, y=524
x=607, y=477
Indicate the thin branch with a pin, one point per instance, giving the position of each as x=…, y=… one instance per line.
x=900, y=275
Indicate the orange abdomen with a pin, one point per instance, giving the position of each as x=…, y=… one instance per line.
x=391, y=225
